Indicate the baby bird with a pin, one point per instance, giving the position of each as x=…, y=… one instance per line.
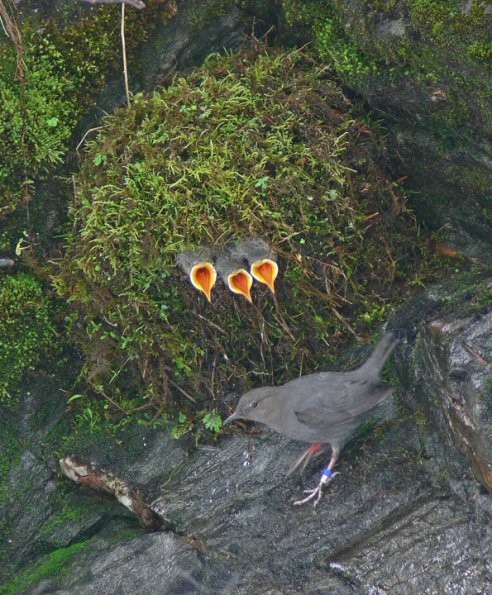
x=198, y=266
x=261, y=259
x=230, y=267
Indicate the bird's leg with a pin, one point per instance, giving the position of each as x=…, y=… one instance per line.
x=303, y=461
x=327, y=476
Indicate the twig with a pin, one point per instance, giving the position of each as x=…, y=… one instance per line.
x=123, y=47
x=342, y=320
x=182, y=391
x=85, y=135
x=212, y=324
x=135, y=3
x=474, y=353
x=96, y=478
x=281, y=320
x=112, y=401
x=118, y=406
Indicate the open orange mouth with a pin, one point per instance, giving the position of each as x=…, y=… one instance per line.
x=203, y=276
x=265, y=271
x=240, y=281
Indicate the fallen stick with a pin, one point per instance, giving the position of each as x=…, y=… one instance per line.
x=100, y=480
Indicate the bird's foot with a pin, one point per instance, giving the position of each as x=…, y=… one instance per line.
x=317, y=493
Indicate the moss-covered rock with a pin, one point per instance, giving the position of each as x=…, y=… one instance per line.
x=242, y=147
x=54, y=564
x=424, y=67
x=62, y=56
x=27, y=332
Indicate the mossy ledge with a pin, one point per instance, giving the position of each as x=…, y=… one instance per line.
x=247, y=145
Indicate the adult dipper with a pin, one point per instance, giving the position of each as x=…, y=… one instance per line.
x=326, y=407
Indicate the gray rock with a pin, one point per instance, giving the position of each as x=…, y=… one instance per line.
x=394, y=28
x=145, y=565
x=386, y=524
x=404, y=515
x=453, y=373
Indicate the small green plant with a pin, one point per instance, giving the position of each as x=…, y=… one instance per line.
x=376, y=313
x=212, y=421
x=262, y=183
x=181, y=426
x=99, y=159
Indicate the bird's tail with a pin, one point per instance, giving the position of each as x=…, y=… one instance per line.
x=374, y=364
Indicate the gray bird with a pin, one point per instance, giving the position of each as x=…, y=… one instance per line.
x=325, y=407
x=230, y=266
x=197, y=264
x=261, y=259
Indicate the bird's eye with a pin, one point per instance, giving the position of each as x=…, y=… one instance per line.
x=253, y=404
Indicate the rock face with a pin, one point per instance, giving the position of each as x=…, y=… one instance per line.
x=406, y=514
x=422, y=67
x=384, y=524
x=452, y=375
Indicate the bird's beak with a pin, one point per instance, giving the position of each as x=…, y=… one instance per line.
x=203, y=276
x=265, y=271
x=230, y=419
x=240, y=281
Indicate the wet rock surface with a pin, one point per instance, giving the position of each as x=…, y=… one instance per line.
x=454, y=361
x=408, y=512
x=386, y=523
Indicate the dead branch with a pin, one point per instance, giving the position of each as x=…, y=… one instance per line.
x=94, y=477
x=138, y=4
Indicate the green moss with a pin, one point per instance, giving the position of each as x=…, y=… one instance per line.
x=245, y=146
x=484, y=297
x=10, y=453
x=435, y=62
x=27, y=333
x=64, y=66
x=480, y=51
x=333, y=44
x=353, y=51
x=44, y=124
x=53, y=565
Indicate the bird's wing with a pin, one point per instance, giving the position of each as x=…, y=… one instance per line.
x=343, y=406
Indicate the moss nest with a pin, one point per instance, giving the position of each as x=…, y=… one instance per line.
x=245, y=146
